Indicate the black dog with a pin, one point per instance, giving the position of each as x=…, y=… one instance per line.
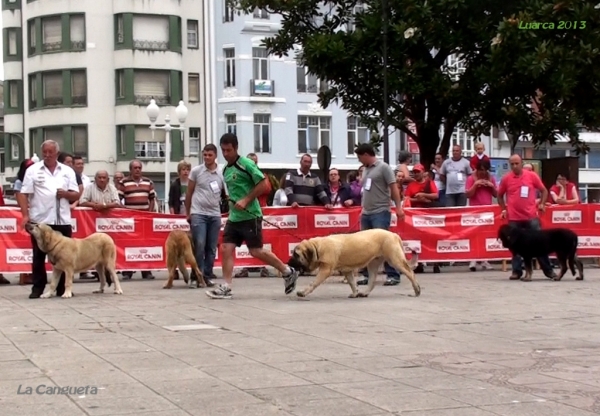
x=531, y=244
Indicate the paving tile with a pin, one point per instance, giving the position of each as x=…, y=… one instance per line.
x=536, y=409
x=254, y=376
x=489, y=396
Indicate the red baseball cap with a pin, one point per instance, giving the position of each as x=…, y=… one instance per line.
x=418, y=168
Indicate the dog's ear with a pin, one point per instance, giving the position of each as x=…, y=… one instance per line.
x=311, y=254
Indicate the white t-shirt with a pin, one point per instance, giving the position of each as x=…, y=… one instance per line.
x=41, y=186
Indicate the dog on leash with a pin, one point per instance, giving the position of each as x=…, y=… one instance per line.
x=348, y=252
x=530, y=244
x=180, y=251
x=74, y=255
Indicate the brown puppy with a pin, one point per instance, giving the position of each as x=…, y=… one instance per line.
x=179, y=249
x=348, y=252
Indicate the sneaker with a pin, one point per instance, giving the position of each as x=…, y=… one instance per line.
x=487, y=266
x=436, y=269
x=391, y=282
x=472, y=266
x=221, y=292
x=290, y=282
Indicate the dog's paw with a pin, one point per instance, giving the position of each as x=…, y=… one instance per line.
x=186, y=280
x=579, y=278
x=300, y=294
x=46, y=295
x=362, y=295
x=67, y=295
x=118, y=292
x=353, y=295
x=98, y=291
x=166, y=286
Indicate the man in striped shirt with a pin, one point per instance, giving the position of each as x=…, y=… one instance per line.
x=304, y=189
x=137, y=192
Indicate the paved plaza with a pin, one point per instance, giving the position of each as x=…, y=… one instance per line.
x=472, y=344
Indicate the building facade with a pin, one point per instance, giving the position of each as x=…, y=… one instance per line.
x=271, y=103
x=82, y=73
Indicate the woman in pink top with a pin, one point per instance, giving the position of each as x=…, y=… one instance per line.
x=481, y=186
x=480, y=189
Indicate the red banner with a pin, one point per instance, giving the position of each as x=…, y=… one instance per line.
x=443, y=234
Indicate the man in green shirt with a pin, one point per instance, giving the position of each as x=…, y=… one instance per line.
x=245, y=183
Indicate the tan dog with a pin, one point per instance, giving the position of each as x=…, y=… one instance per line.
x=179, y=249
x=73, y=255
x=348, y=252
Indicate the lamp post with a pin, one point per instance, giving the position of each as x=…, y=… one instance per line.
x=386, y=134
x=182, y=112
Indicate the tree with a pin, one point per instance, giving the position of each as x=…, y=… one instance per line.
x=423, y=88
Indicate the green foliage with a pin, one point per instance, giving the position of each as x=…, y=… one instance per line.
x=499, y=81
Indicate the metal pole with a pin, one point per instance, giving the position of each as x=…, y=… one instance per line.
x=386, y=138
x=167, y=163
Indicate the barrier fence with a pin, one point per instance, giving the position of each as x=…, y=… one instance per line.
x=441, y=234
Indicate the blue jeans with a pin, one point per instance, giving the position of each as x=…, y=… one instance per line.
x=517, y=261
x=381, y=220
x=442, y=197
x=205, y=233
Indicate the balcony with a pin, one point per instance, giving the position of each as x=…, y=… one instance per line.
x=150, y=150
x=52, y=101
x=51, y=46
x=150, y=45
x=262, y=88
x=79, y=100
x=145, y=99
x=78, y=45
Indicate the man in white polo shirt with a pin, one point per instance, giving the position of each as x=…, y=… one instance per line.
x=49, y=188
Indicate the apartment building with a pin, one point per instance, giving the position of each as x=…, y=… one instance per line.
x=82, y=73
x=271, y=103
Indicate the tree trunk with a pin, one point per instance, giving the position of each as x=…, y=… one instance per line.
x=428, y=145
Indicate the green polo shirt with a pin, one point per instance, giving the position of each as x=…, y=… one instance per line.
x=241, y=177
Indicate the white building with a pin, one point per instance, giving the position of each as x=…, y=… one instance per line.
x=82, y=73
x=271, y=103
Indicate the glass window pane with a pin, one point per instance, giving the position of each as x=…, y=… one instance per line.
x=594, y=159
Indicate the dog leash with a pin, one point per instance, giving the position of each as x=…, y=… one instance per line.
x=278, y=227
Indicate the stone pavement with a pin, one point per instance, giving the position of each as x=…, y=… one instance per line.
x=472, y=344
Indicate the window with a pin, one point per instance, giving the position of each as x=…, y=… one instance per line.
x=52, y=87
x=194, y=88
x=78, y=87
x=313, y=132
x=228, y=11
x=593, y=159
x=56, y=134
x=357, y=133
x=230, y=124
x=14, y=148
x=120, y=84
x=151, y=33
x=151, y=84
x=13, y=47
x=51, y=34
x=77, y=24
x=79, y=140
x=262, y=136
x=192, y=34
x=306, y=82
x=260, y=64
x=194, y=141
x=32, y=36
x=461, y=137
x=120, y=29
x=229, y=55
x=121, y=131
x=33, y=91
x=148, y=147
x=260, y=14
x=13, y=101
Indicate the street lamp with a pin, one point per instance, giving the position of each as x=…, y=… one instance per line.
x=386, y=123
x=182, y=112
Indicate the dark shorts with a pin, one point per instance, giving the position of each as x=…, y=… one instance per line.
x=249, y=232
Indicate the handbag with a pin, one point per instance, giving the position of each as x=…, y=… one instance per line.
x=427, y=190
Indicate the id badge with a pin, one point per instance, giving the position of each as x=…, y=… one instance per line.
x=524, y=191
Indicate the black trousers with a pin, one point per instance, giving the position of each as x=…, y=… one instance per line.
x=38, y=265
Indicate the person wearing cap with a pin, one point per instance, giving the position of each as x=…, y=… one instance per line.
x=422, y=193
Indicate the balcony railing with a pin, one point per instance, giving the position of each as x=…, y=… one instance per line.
x=160, y=99
x=50, y=101
x=79, y=99
x=262, y=88
x=149, y=150
x=150, y=45
x=52, y=46
x=78, y=45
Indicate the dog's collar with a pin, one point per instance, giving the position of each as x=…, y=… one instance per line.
x=52, y=248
